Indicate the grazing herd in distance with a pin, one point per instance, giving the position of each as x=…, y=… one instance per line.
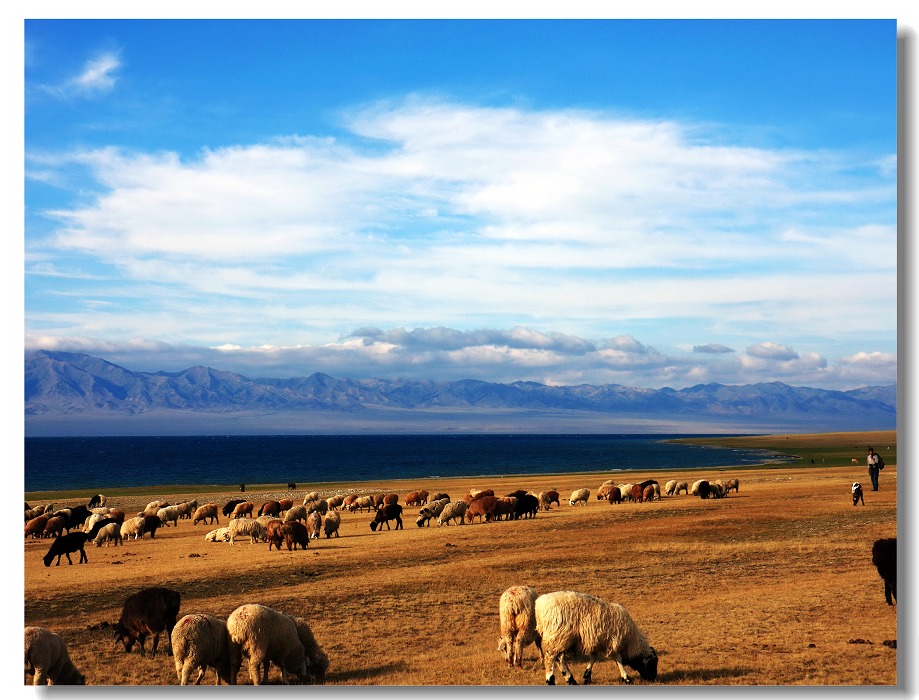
x=560, y=624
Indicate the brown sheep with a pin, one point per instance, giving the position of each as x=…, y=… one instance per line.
x=638, y=493
x=648, y=493
x=270, y=508
x=274, y=533
x=206, y=512
x=615, y=496
x=36, y=526
x=483, y=507
x=295, y=533
x=54, y=527
x=242, y=510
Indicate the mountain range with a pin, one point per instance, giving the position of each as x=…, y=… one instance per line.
x=74, y=394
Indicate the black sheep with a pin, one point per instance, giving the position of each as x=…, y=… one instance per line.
x=65, y=545
x=151, y=524
x=526, y=506
x=228, y=508
x=98, y=525
x=78, y=516
x=150, y=611
x=96, y=501
x=705, y=489
x=390, y=511
x=884, y=557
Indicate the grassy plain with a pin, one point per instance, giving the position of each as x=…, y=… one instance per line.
x=772, y=585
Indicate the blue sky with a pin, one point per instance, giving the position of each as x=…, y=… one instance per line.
x=652, y=203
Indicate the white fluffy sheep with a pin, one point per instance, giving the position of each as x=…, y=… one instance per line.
x=246, y=527
x=202, y=642
x=568, y=622
x=47, y=658
x=579, y=496
x=310, y=497
x=626, y=491
x=169, y=514
x=452, y=511
x=432, y=510
x=331, y=523
x=670, y=487
x=221, y=534
x=110, y=532
x=682, y=486
x=517, y=615
x=318, y=661
x=295, y=513
x=732, y=484
x=133, y=527
x=265, y=636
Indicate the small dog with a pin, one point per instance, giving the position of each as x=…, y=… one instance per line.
x=857, y=494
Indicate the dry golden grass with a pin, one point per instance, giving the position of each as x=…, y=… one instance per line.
x=770, y=586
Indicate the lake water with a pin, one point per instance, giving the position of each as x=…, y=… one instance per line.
x=94, y=463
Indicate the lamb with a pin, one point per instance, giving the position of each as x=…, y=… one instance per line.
x=265, y=636
x=670, y=487
x=452, y=511
x=295, y=513
x=884, y=558
x=64, y=545
x=314, y=524
x=242, y=510
x=571, y=622
x=110, y=531
x=202, y=642
x=331, y=523
x=150, y=611
x=318, y=661
x=221, y=534
x=46, y=656
x=246, y=526
x=169, y=514
x=579, y=496
x=206, y=512
x=389, y=511
x=516, y=611
x=133, y=528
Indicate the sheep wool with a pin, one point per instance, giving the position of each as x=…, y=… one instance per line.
x=46, y=657
x=571, y=622
x=317, y=658
x=579, y=496
x=201, y=642
x=517, y=615
x=265, y=636
x=244, y=527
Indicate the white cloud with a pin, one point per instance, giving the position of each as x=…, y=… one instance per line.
x=98, y=74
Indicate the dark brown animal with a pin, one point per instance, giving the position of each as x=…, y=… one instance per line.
x=152, y=523
x=36, y=526
x=286, y=504
x=274, y=533
x=242, y=510
x=526, y=506
x=552, y=497
x=480, y=508
x=648, y=493
x=504, y=507
x=638, y=493
x=295, y=533
x=390, y=511
x=65, y=545
x=884, y=558
x=705, y=490
x=519, y=493
x=270, y=508
x=149, y=612
x=228, y=508
x=615, y=496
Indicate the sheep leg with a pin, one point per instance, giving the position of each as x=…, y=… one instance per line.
x=566, y=672
x=623, y=674
x=39, y=678
x=592, y=659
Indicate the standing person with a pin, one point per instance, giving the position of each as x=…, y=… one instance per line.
x=874, y=468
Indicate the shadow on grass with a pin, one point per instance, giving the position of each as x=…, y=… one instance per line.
x=367, y=673
x=703, y=675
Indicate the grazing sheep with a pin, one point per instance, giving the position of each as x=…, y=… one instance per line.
x=32, y=513
x=318, y=661
x=413, y=498
x=389, y=511
x=230, y=506
x=152, y=523
x=269, y=508
x=286, y=504
x=335, y=502
x=717, y=489
x=517, y=614
x=682, y=486
x=439, y=496
x=187, y=509
x=670, y=487
x=133, y=528
x=314, y=524
x=206, y=512
x=294, y=533
x=626, y=491
x=246, y=527
x=732, y=484
x=603, y=491
x=265, y=519
x=46, y=656
x=361, y=502
x=648, y=493
x=482, y=508
x=36, y=526
x=153, y=507
x=274, y=533
x=96, y=501
x=65, y=545
x=505, y=507
x=452, y=511
x=331, y=523
x=150, y=611
x=242, y=510
x=432, y=510
x=694, y=491
x=579, y=496
x=310, y=497
x=265, y=636
x=110, y=531
x=570, y=622
x=202, y=642
x=615, y=496
x=884, y=558
x=704, y=489
x=526, y=506
x=295, y=513
x=638, y=493
x=54, y=527
x=169, y=514
x=321, y=506
x=221, y=534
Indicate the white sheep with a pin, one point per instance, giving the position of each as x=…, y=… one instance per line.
x=682, y=486
x=221, y=534
x=265, y=636
x=432, y=510
x=626, y=491
x=314, y=524
x=169, y=514
x=92, y=520
x=732, y=484
x=246, y=527
x=133, y=527
x=265, y=519
x=310, y=497
x=208, y=512
x=670, y=487
x=112, y=532
x=576, y=623
x=153, y=507
x=46, y=656
x=202, y=642
x=295, y=513
x=579, y=496
x=453, y=511
x=517, y=615
x=187, y=509
x=694, y=490
x=331, y=523
x=318, y=661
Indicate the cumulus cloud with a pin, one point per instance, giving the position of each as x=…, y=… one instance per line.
x=772, y=351
x=712, y=348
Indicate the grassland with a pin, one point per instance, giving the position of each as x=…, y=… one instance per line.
x=772, y=585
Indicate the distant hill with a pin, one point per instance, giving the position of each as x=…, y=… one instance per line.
x=71, y=393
